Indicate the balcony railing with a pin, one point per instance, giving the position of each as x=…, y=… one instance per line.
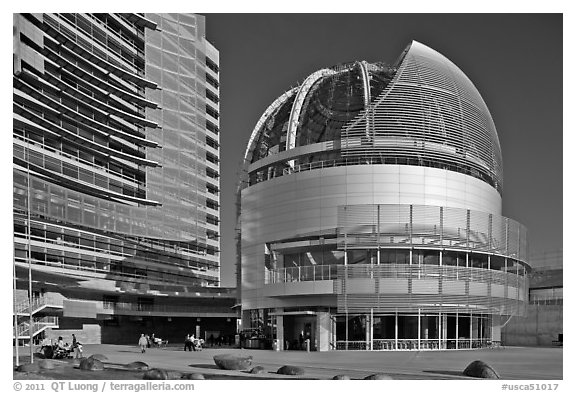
x=119, y=307
x=394, y=271
x=303, y=273
x=415, y=344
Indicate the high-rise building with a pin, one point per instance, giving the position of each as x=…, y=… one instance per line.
x=371, y=213
x=116, y=174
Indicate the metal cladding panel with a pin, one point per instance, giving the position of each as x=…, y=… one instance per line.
x=478, y=289
x=433, y=289
x=425, y=286
x=453, y=287
x=393, y=286
x=360, y=285
x=370, y=226
x=497, y=290
x=430, y=110
x=80, y=309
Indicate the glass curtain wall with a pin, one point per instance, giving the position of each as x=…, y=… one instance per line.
x=396, y=331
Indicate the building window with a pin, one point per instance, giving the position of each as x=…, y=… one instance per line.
x=212, y=112
x=212, y=65
x=212, y=81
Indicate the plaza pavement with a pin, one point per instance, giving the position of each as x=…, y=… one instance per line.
x=517, y=363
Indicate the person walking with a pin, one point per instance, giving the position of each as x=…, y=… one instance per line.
x=77, y=347
x=193, y=341
x=143, y=343
x=187, y=343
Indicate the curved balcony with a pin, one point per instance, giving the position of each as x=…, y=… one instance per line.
x=401, y=287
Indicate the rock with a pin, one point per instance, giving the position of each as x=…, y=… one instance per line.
x=232, y=362
x=39, y=355
x=378, y=377
x=48, y=352
x=156, y=373
x=28, y=368
x=342, y=377
x=257, y=370
x=139, y=366
x=91, y=364
x=174, y=374
x=290, y=370
x=479, y=369
x=99, y=356
x=193, y=376
x=46, y=364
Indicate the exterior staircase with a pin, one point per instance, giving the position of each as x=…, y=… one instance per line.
x=39, y=325
x=44, y=304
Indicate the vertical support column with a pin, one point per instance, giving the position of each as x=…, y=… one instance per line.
x=444, y=330
x=323, y=331
x=371, y=331
x=496, y=329
x=29, y=255
x=439, y=330
x=481, y=329
x=419, y=327
x=475, y=327
x=346, y=345
x=280, y=329
x=457, y=333
x=396, y=329
x=470, y=330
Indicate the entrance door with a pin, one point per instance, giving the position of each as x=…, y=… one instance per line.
x=297, y=329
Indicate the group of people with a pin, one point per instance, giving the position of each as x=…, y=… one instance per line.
x=60, y=349
x=147, y=341
x=192, y=344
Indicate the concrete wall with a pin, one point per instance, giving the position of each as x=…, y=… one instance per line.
x=86, y=334
x=541, y=326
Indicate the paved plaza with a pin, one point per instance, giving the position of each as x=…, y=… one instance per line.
x=517, y=363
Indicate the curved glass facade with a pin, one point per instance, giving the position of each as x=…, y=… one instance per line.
x=371, y=213
x=424, y=112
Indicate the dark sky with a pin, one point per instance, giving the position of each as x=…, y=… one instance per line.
x=515, y=61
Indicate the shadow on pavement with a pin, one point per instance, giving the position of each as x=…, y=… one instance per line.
x=445, y=372
x=212, y=366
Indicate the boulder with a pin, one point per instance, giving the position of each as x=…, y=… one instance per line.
x=232, y=362
x=91, y=364
x=193, y=376
x=479, y=369
x=257, y=370
x=48, y=352
x=99, y=356
x=28, y=368
x=342, y=377
x=155, y=373
x=46, y=364
x=290, y=370
x=174, y=374
x=138, y=366
x=378, y=376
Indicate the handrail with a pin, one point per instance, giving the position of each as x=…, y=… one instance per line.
x=391, y=344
